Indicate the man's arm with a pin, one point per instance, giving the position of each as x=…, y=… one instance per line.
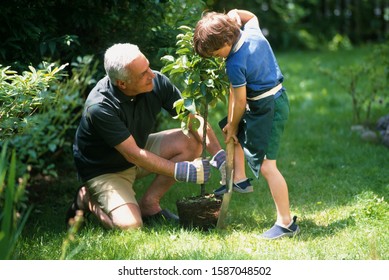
x=196, y=171
x=145, y=159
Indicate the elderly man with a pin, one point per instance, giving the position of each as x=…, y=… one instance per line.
x=114, y=144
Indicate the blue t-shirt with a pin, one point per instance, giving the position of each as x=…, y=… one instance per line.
x=251, y=62
x=110, y=117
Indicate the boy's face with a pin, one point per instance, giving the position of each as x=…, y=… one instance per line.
x=222, y=52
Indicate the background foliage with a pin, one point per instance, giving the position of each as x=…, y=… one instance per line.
x=40, y=111
x=60, y=29
x=33, y=31
x=317, y=24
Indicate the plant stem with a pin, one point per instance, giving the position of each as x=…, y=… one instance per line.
x=203, y=154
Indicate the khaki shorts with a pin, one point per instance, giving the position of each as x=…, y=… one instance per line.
x=113, y=190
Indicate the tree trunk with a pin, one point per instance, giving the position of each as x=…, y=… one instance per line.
x=204, y=152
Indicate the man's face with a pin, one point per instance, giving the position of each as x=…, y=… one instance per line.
x=141, y=77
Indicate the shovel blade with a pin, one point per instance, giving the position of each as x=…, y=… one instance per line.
x=225, y=203
x=229, y=180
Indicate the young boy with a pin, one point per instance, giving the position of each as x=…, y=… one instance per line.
x=258, y=104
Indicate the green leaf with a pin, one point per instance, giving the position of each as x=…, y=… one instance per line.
x=179, y=104
x=185, y=28
x=177, y=70
x=190, y=105
x=195, y=124
x=167, y=58
x=203, y=89
x=167, y=68
x=184, y=127
x=52, y=147
x=209, y=83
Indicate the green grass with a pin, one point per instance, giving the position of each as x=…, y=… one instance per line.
x=338, y=187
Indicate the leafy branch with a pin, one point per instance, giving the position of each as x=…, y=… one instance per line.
x=203, y=83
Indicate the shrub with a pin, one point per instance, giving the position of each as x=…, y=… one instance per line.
x=366, y=82
x=24, y=95
x=41, y=110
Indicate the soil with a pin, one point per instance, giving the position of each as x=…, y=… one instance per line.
x=199, y=212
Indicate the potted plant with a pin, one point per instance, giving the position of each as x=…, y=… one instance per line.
x=203, y=83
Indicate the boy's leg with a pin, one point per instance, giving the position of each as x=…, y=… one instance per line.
x=278, y=189
x=241, y=182
x=277, y=184
x=239, y=164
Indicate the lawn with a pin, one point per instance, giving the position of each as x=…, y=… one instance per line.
x=338, y=187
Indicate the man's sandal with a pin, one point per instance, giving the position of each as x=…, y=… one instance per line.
x=162, y=216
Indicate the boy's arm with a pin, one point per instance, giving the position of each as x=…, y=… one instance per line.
x=236, y=109
x=241, y=16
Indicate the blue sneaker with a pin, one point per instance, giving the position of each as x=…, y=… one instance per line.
x=241, y=187
x=278, y=231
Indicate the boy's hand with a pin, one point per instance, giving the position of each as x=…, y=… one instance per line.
x=235, y=16
x=230, y=134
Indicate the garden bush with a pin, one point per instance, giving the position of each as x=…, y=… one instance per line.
x=366, y=83
x=41, y=108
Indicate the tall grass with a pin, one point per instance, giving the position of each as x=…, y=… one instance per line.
x=13, y=215
x=338, y=188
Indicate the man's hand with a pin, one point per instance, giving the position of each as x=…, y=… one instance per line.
x=219, y=161
x=197, y=171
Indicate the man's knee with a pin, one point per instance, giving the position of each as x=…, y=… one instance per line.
x=187, y=147
x=126, y=217
x=193, y=147
x=126, y=225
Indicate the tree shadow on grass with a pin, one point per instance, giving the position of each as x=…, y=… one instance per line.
x=50, y=198
x=310, y=229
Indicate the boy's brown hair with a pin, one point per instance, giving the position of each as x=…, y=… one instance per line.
x=213, y=31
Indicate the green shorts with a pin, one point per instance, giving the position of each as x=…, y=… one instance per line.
x=281, y=113
x=112, y=190
x=261, y=128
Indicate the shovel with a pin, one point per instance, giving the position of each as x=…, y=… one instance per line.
x=229, y=181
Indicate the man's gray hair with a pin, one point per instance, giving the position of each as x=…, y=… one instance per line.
x=116, y=59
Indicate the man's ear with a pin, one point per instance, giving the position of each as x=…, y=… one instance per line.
x=121, y=84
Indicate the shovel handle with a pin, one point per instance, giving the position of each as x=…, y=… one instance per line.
x=230, y=150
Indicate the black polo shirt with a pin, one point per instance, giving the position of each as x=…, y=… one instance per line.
x=110, y=117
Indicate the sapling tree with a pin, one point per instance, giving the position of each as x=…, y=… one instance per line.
x=203, y=83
